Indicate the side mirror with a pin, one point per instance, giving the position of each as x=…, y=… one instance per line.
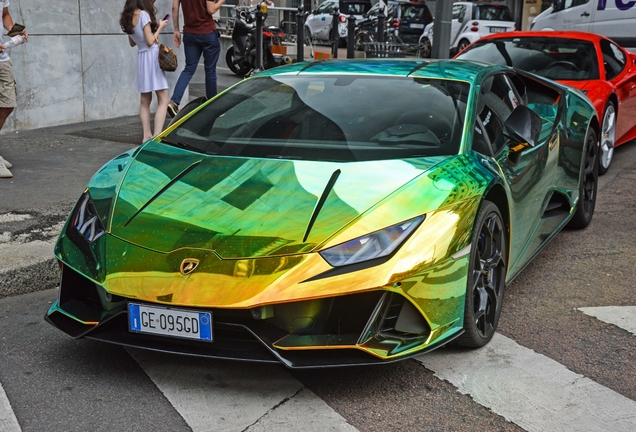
x=522, y=127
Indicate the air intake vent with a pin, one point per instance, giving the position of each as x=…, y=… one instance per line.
x=402, y=320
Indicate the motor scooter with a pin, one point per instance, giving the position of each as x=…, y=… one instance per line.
x=241, y=55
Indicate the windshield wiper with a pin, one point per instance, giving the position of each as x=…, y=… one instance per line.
x=173, y=143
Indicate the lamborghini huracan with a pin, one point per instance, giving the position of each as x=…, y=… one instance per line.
x=330, y=213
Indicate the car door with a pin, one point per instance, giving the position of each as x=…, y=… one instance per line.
x=621, y=73
x=461, y=14
x=572, y=15
x=528, y=179
x=319, y=21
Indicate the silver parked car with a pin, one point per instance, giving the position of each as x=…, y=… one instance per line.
x=318, y=24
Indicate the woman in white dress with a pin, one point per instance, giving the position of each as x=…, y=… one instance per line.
x=139, y=22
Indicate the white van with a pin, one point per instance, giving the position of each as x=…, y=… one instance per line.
x=615, y=19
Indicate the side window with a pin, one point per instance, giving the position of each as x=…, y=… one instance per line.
x=458, y=11
x=572, y=3
x=613, y=59
x=497, y=99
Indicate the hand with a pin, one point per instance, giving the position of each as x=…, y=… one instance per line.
x=177, y=38
x=162, y=24
x=26, y=36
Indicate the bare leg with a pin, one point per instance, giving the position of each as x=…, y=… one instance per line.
x=4, y=113
x=144, y=114
x=162, y=108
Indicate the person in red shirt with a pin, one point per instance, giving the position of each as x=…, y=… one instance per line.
x=200, y=36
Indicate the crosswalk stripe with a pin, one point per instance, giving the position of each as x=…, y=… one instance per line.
x=621, y=316
x=18, y=255
x=532, y=390
x=8, y=421
x=233, y=396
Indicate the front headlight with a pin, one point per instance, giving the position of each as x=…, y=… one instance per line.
x=85, y=220
x=378, y=244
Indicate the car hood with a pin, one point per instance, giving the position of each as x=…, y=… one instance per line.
x=247, y=207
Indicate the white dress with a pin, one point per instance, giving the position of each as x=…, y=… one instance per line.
x=150, y=77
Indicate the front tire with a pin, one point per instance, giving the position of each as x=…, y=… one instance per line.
x=588, y=184
x=424, y=48
x=608, y=136
x=236, y=68
x=486, y=277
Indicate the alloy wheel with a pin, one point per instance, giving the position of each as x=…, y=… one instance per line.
x=487, y=271
x=608, y=135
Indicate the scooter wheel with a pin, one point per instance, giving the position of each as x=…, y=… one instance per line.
x=236, y=68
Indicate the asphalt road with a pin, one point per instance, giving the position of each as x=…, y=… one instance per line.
x=55, y=383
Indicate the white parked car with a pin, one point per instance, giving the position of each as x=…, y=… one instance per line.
x=318, y=22
x=615, y=19
x=471, y=21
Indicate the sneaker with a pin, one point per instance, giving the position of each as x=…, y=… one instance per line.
x=173, y=109
x=6, y=162
x=4, y=171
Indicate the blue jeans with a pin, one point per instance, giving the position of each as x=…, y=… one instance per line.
x=194, y=45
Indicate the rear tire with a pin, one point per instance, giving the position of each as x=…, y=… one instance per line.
x=462, y=44
x=486, y=277
x=360, y=39
x=588, y=184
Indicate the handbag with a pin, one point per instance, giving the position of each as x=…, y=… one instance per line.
x=167, y=58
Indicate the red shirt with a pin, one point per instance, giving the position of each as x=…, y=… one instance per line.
x=196, y=18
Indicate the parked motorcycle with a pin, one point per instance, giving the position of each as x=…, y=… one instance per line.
x=366, y=31
x=241, y=55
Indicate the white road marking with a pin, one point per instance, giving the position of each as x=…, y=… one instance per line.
x=532, y=390
x=621, y=316
x=17, y=255
x=234, y=396
x=10, y=217
x=8, y=422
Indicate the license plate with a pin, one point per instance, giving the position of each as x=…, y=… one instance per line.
x=416, y=26
x=497, y=29
x=170, y=322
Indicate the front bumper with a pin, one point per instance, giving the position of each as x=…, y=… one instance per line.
x=373, y=327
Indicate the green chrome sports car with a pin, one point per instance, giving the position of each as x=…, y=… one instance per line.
x=330, y=213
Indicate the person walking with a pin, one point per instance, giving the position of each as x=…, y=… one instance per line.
x=200, y=36
x=8, y=93
x=139, y=23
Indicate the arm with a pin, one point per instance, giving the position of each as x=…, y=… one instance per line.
x=175, y=21
x=150, y=36
x=213, y=6
x=131, y=42
x=7, y=21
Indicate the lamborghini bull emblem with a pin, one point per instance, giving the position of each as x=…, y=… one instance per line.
x=188, y=265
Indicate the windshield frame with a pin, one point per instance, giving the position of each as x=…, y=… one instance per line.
x=357, y=134
x=566, y=48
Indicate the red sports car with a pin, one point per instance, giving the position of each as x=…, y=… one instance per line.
x=594, y=64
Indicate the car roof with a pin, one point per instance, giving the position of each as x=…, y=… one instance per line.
x=459, y=70
x=579, y=35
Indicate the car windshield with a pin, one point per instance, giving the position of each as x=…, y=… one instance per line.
x=416, y=12
x=355, y=8
x=334, y=118
x=492, y=13
x=549, y=57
